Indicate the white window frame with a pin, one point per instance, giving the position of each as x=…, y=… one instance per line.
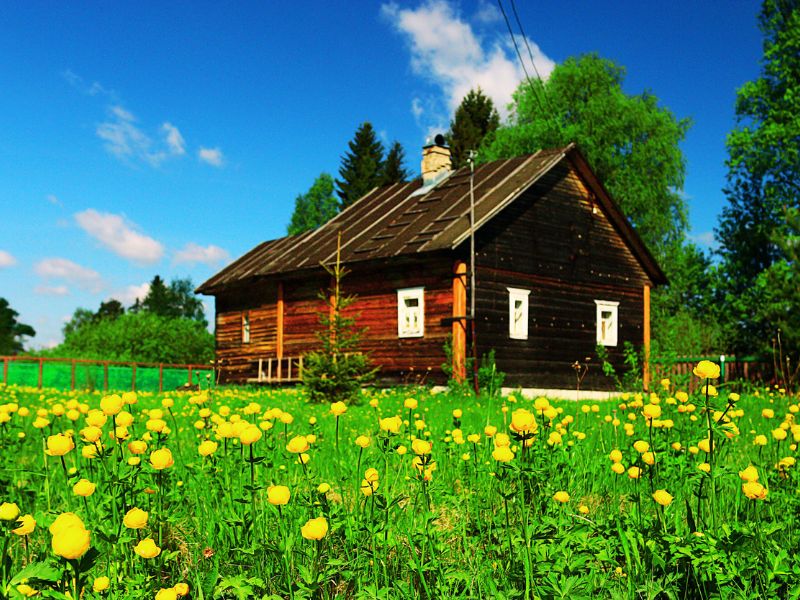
x=404, y=312
x=518, y=330
x=610, y=337
x=246, y=327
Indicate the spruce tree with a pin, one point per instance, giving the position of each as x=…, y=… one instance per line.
x=475, y=118
x=394, y=169
x=362, y=166
x=314, y=208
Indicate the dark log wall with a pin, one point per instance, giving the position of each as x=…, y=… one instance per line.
x=399, y=359
x=557, y=243
x=236, y=359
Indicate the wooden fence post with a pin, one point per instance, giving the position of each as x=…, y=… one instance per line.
x=105, y=376
x=41, y=373
x=72, y=375
x=160, y=377
x=190, y=374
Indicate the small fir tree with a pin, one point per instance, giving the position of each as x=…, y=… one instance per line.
x=394, y=169
x=475, y=118
x=337, y=371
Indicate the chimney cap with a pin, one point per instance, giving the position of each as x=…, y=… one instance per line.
x=438, y=140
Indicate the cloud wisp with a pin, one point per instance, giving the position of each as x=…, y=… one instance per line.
x=48, y=290
x=447, y=51
x=66, y=270
x=193, y=254
x=211, y=156
x=123, y=138
x=7, y=259
x=130, y=294
x=121, y=237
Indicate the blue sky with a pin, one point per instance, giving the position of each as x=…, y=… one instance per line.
x=172, y=137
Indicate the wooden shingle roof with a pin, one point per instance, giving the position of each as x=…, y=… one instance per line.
x=404, y=219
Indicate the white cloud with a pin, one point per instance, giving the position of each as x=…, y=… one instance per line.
x=125, y=140
x=704, y=238
x=56, y=290
x=130, y=294
x=6, y=259
x=446, y=50
x=488, y=13
x=212, y=156
x=174, y=139
x=62, y=268
x=53, y=199
x=193, y=253
x=116, y=234
x=416, y=108
x=90, y=89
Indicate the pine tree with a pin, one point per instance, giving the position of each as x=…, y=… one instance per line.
x=12, y=332
x=314, y=208
x=362, y=166
x=394, y=170
x=475, y=118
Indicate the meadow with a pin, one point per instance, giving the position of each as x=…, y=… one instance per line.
x=256, y=493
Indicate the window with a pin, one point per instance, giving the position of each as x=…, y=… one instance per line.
x=606, y=322
x=411, y=312
x=246, y=328
x=518, y=313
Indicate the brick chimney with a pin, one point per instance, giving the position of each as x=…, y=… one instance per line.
x=436, y=163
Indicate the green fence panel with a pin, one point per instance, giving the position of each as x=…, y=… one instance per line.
x=175, y=378
x=56, y=375
x=147, y=379
x=23, y=373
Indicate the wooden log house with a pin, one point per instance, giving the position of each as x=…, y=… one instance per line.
x=558, y=270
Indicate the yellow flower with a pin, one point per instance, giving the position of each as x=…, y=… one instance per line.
x=338, y=409
x=278, y=495
x=167, y=594
x=709, y=390
x=641, y=446
x=315, y=529
x=421, y=447
x=59, y=444
x=706, y=369
x=663, y=497
x=391, y=424
x=779, y=434
x=489, y=430
x=26, y=590
x=9, y=511
x=65, y=520
x=369, y=487
x=374, y=403
x=124, y=419
x=402, y=450
x=749, y=474
x=768, y=413
x=562, y=497
x=250, y=435
x=618, y=468
x=181, y=588
x=615, y=456
x=648, y=458
x=297, y=444
x=583, y=509
x=135, y=518
x=161, y=459
x=681, y=396
x=207, y=448
x=704, y=445
x=111, y=405
x=410, y=404
x=324, y=488
x=523, y=421
x=147, y=548
x=502, y=454
x=84, y=488
x=704, y=467
x=652, y=411
x=100, y=584
x=457, y=413
x=91, y=433
x=371, y=474
x=760, y=440
x=71, y=541
x=634, y=472
x=27, y=525
x=137, y=447
x=754, y=490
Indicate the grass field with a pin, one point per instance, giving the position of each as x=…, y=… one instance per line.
x=237, y=493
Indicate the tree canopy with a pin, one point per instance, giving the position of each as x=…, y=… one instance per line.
x=12, y=332
x=176, y=300
x=362, y=166
x=631, y=142
x=314, y=208
x=475, y=118
x=393, y=168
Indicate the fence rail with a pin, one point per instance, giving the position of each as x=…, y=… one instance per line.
x=83, y=373
x=731, y=369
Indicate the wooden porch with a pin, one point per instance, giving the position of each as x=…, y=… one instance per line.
x=275, y=371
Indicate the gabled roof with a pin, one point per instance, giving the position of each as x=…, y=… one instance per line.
x=404, y=219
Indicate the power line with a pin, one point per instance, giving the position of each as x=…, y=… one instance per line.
x=522, y=62
x=530, y=55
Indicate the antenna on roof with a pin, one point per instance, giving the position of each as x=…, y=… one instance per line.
x=471, y=160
